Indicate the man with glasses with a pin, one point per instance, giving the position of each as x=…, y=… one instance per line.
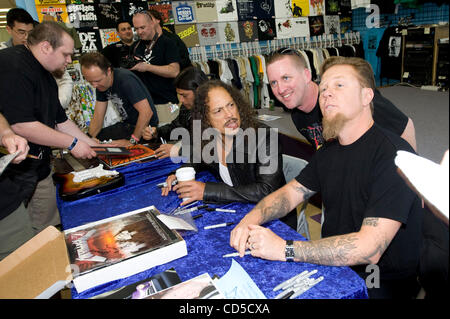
x=157, y=63
x=18, y=24
x=128, y=95
x=291, y=83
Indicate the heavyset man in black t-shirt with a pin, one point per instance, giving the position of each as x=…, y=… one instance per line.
x=371, y=216
x=128, y=95
x=30, y=104
x=291, y=84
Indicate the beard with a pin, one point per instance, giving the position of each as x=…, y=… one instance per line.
x=333, y=126
x=59, y=73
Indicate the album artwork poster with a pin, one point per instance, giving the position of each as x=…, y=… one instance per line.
x=248, y=30
x=332, y=24
x=108, y=14
x=52, y=12
x=316, y=7
x=90, y=40
x=165, y=10
x=316, y=25
x=82, y=15
x=264, y=9
x=108, y=36
x=283, y=9
x=130, y=8
x=266, y=29
x=300, y=8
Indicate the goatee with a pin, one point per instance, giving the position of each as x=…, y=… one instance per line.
x=332, y=126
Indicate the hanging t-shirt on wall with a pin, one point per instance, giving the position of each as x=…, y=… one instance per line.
x=183, y=12
x=206, y=11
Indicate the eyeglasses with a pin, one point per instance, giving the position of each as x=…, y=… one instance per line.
x=286, y=51
x=21, y=32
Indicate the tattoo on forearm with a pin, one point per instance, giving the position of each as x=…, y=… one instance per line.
x=333, y=251
x=306, y=192
x=342, y=250
x=274, y=210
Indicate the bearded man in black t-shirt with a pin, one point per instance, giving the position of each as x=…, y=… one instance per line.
x=291, y=84
x=371, y=216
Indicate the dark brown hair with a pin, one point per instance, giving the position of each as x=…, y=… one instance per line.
x=90, y=59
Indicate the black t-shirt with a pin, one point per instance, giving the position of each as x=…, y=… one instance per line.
x=385, y=114
x=116, y=52
x=360, y=180
x=126, y=90
x=164, y=52
x=29, y=93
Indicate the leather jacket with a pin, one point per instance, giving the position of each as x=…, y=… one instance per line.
x=250, y=182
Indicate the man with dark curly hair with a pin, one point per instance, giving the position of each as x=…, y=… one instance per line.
x=228, y=141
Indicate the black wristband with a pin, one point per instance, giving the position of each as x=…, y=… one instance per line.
x=75, y=141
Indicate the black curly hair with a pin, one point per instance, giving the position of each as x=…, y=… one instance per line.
x=200, y=110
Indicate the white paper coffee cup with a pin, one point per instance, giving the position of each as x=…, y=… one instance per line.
x=185, y=174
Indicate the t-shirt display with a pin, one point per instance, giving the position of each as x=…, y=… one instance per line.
x=206, y=11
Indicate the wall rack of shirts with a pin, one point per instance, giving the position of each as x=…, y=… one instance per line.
x=229, y=50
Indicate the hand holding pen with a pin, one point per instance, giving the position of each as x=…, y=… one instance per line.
x=149, y=132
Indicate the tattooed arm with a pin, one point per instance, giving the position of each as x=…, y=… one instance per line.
x=273, y=206
x=363, y=247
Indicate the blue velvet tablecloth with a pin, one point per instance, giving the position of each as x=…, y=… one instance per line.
x=205, y=248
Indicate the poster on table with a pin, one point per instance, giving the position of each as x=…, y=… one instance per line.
x=82, y=15
x=108, y=14
x=184, y=12
x=316, y=7
x=165, y=10
x=208, y=33
x=332, y=24
x=206, y=11
x=188, y=33
x=228, y=32
x=226, y=10
x=248, y=30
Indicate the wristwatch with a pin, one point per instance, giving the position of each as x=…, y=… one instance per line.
x=133, y=141
x=289, y=250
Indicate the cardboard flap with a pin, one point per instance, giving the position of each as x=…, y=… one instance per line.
x=35, y=266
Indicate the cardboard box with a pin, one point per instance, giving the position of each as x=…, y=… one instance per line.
x=37, y=269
